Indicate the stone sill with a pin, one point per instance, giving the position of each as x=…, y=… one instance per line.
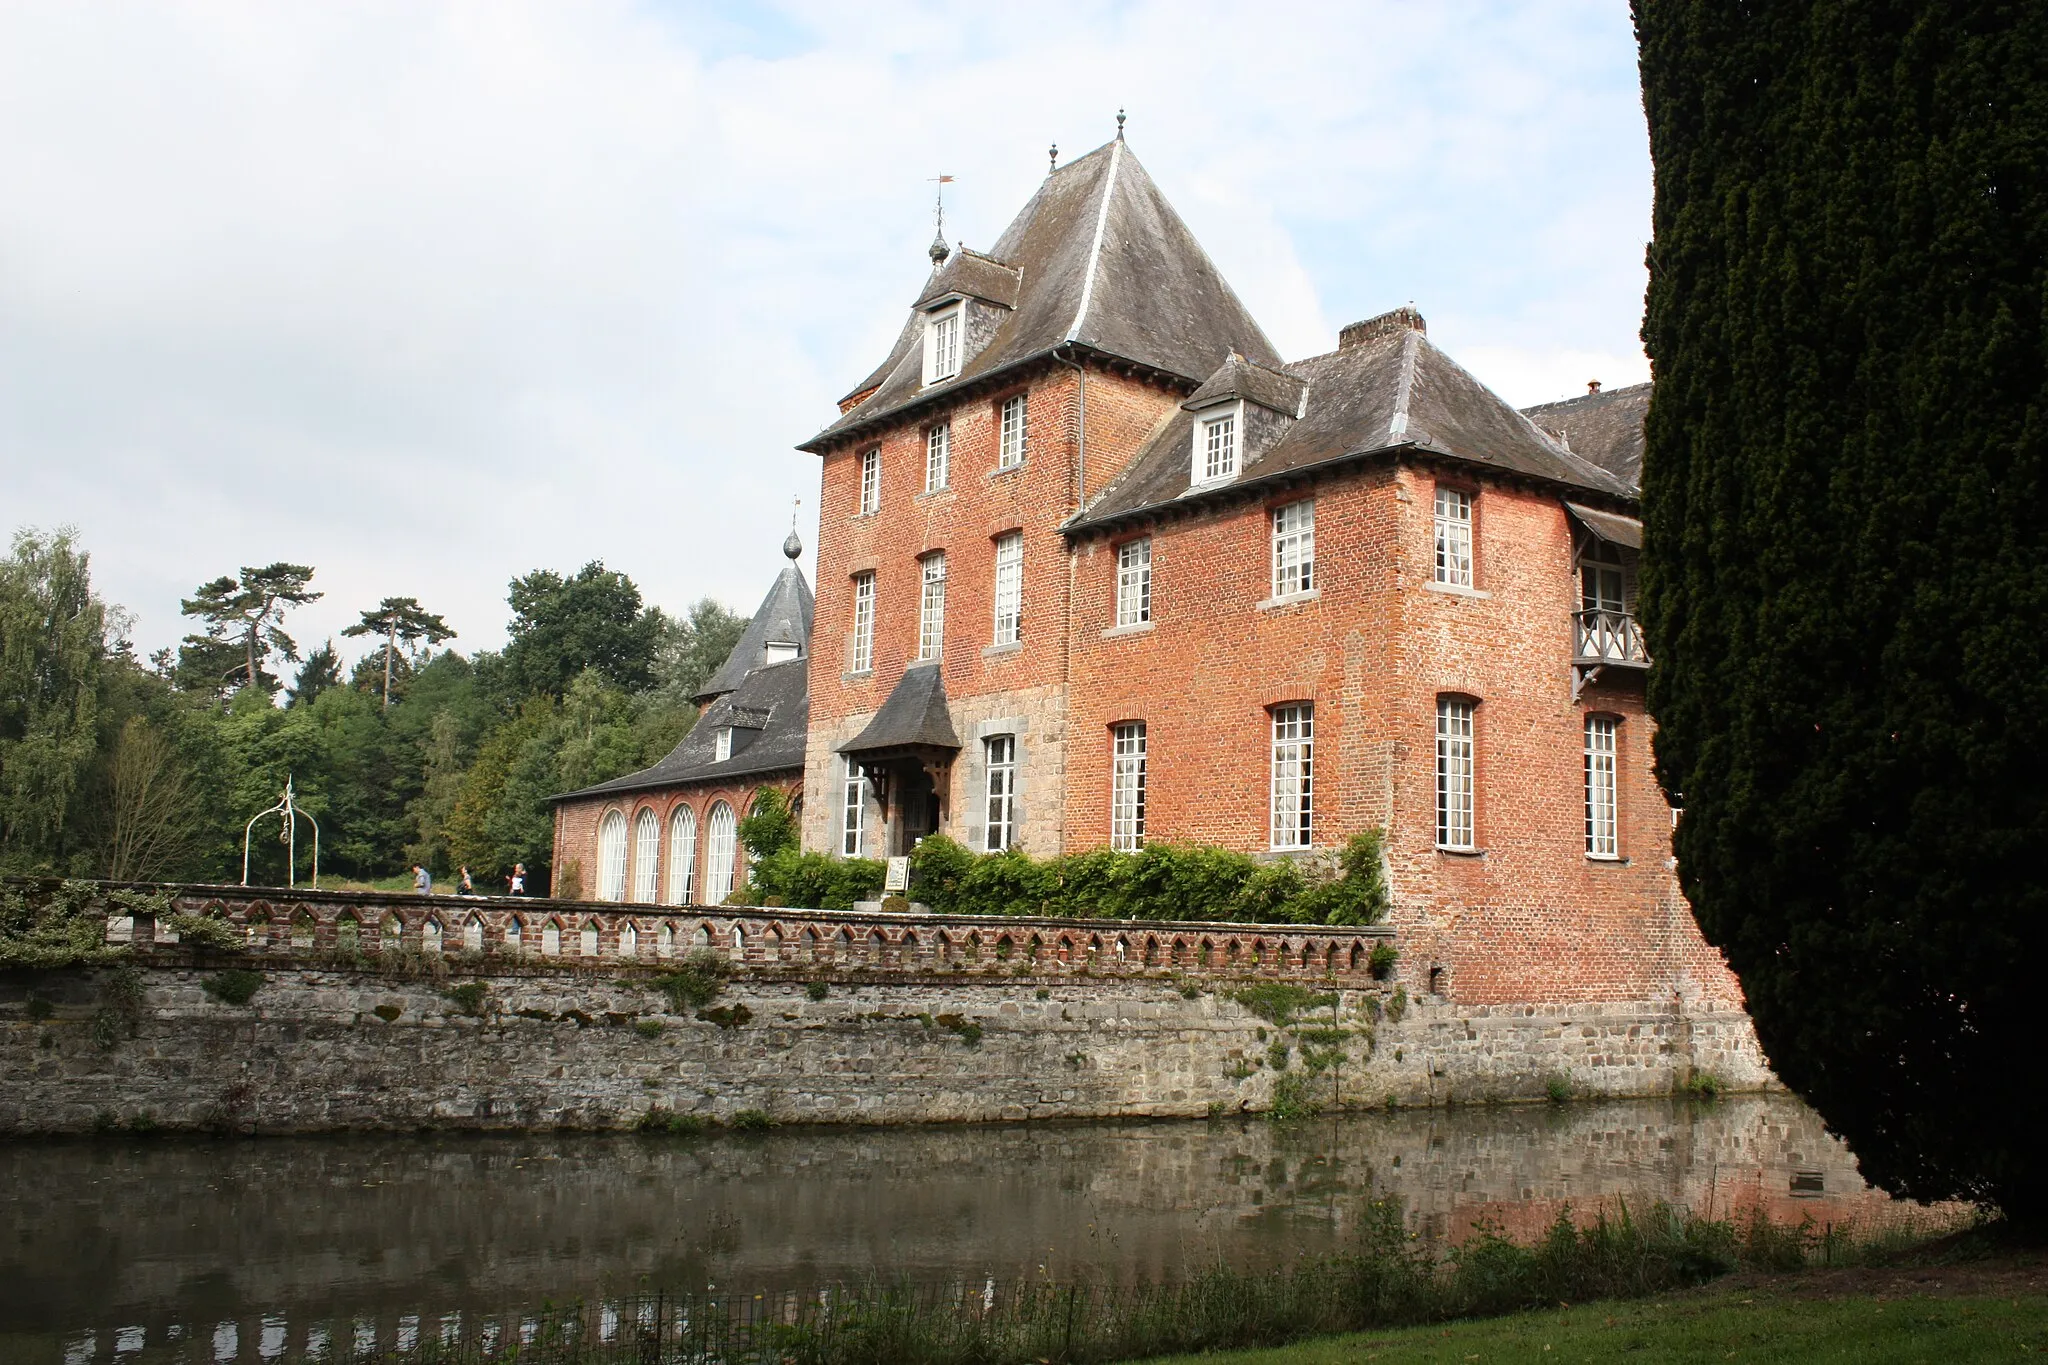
x=1461, y=852
x=1456, y=590
x=857, y=675
x=1611, y=859
x=1135, y=628
x=1005, y=471
x=1003, y=651
x=1293, y=599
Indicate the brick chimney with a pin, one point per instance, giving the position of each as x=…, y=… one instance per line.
x=1386, y=324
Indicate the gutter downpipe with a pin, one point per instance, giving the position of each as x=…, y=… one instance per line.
x=1080, y=428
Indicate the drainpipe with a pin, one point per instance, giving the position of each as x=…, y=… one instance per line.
x=1080, y=430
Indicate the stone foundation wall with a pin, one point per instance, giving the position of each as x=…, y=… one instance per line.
x=324, y=1047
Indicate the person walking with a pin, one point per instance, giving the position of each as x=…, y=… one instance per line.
x=516, y=883
x=463, y=885
x=422, y=880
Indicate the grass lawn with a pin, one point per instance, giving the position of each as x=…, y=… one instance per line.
x=1778, y=1322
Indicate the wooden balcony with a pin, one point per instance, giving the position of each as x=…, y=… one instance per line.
x=1603, y=640
x=1610, y=638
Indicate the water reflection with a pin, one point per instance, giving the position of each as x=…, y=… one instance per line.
x=245, y=1249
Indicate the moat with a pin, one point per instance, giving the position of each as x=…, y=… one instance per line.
x=236, y=1250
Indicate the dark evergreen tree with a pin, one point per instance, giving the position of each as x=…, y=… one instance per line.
x=320, y=671
x=1846, y=568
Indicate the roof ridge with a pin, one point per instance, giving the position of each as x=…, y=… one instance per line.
x=1116, y=157
x=1545, y=437
x=1404, y=391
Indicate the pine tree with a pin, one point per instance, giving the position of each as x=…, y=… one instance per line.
x=247, y=614
x=400, y=620
x=1846, y=567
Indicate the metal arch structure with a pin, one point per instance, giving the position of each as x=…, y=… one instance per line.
x=289, y=810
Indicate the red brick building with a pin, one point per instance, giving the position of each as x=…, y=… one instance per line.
x=668, y=835
x=1096, y=565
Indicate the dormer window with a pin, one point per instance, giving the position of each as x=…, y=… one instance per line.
x=942, y=343
x=779, y=651
x=1217, y=436
x=722, y=744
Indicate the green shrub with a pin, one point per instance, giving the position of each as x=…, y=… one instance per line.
x=814, y=880
x=647, y=1028
x=1280, y=1003
x=208, y=933
x=1381, y=963
x=236, y=986
x=469, y=996
x=660, y=1120
x=817, y=990
x=694, y=983
x=752, y=1121
x=1557, y=1089
x=966, y=1030
x=1702, y=1085
x=769, y=827
x=1159, y=881
x=64, y=928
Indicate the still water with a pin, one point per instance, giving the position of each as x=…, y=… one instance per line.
x=236, y=1250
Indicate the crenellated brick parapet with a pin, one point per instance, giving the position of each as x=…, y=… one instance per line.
x=567, y=934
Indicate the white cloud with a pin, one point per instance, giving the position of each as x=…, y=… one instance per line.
x=429, y=295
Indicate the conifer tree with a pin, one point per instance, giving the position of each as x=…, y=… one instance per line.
x=400, y=620
x=1846, y=566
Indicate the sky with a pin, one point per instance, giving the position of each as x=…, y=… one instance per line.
x=428, y=295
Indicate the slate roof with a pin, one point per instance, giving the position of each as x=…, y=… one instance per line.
x=914, y=716
x=975, y=275
x=784, y=616
x=1604, y=427
x=778, y=695
x=1391, y=391
x=1237, y=377
x=1103, y=263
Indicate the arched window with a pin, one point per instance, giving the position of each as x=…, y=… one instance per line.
x=646, y=855
x=473, y=935
x=611, y=857
x=721, y=843
x=551, y=937
x=586, y=943
x=514, y=935
x=629, y=940
x=430, y=936
x=682, y=855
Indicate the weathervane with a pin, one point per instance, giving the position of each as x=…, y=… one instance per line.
x=288, y=807
x=940, y=251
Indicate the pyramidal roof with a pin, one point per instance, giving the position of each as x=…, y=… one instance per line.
x=783, y=618
x=1097, y=260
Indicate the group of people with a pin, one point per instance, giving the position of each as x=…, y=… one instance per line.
x=423, y=881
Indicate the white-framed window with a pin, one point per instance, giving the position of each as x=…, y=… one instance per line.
x=1127, y=786
x=1454, y=773
x=1000, y=751
x=942, y=344
x=611, y=857
x=721, y=845
x=1293, y=775
x=721, y=744
x=1134, y=582
x=1294, y=548
x=871, y=481
x=863, y=653
x=1454, y=537
x=931, y=606
x=646, y=855
x=853, y=808
x=1217, y=435
x=1603, y=806
x=1010, y=446
x=938, y=456
x=1009, y=588
x=682, y=855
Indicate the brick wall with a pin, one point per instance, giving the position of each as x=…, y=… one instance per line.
x=576, y=868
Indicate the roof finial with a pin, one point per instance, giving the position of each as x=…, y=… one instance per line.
x=1052, y=154
x=792, y=544
x=939, y=251
x=1119, y=125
